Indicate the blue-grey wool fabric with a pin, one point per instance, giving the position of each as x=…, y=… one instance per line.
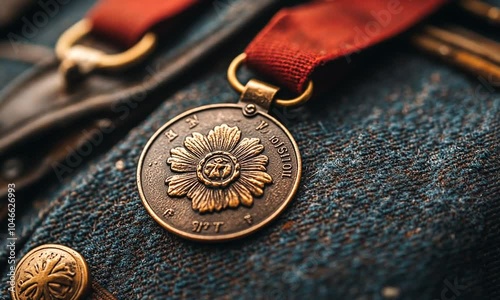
x=399, y=198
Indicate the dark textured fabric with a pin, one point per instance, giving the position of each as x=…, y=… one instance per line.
x=401, y=178
x=399, y=196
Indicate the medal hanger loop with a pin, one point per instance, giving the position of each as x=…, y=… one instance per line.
x=240, y=88
x=86, y=59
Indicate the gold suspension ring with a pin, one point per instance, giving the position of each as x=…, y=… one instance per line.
x=233, y=80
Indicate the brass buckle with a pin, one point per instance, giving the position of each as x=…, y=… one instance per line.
x=85, y=59
x=233, y=80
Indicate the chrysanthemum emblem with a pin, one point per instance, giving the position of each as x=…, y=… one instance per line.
x=219, y=170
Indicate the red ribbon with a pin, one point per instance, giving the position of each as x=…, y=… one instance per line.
x=126, y=21
x=298, y=40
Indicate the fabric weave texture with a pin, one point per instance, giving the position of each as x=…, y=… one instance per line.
x=399, y=197
x=399, y=190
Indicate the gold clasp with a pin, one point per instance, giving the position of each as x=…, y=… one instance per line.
x=83, y=60
x=240, y=88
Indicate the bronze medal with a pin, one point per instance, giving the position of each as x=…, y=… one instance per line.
x=220, y=172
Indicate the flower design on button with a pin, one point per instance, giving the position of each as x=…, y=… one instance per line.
x=50, y=277
x=219, y=170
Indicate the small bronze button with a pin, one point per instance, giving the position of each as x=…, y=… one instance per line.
x=51, y=272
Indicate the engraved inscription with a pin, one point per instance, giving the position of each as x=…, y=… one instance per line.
x=284, y=154
x=171, y=135
x=281, y=148
x=193, y=121
x=218, y=225
x=248, y=219
x=169, y=212
x=199, y=226
x=262, y=127
x=287, y=170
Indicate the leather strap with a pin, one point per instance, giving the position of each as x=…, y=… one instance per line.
x=126, y=21
x=298, y=40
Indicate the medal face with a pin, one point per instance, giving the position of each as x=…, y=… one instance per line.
x=216, y=174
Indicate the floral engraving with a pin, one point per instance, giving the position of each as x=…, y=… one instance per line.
x=49, y=276
x=219, y=170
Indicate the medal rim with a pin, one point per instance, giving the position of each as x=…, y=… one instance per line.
x=222, y=237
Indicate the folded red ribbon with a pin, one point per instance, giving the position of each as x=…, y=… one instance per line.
x=300, y=39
